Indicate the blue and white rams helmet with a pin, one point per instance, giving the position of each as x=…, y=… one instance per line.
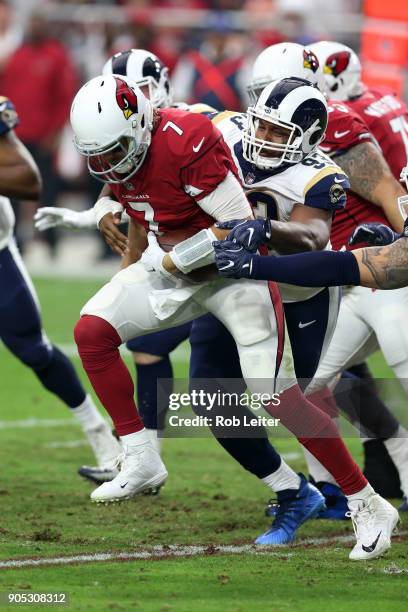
x=147, y=70
x=293, y=107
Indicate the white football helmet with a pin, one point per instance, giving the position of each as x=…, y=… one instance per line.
x=112, y=122
x=147, y=70
x=341, y=69
x=282, y=61
x=295, y=108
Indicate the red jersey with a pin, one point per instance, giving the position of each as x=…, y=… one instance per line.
x=386, y=116
x=186, y=160
x=41, y=80
x=346, y=130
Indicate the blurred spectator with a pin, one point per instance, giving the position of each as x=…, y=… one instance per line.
x=41, y=80
x=11, y=31
x=218, y=71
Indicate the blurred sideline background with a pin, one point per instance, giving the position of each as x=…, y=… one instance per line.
x=48, y=49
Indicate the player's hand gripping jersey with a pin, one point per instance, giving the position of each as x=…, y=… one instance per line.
x=386, y=115
x=186, y=161
x=8, y=121
x=316, y=182
x=344, y=131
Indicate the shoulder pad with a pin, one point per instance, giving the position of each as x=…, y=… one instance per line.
x=345, y=130
x=189, y=135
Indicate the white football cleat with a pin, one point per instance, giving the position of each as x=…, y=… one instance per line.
x=373, y=523
x=142, y=469
x=105, y=446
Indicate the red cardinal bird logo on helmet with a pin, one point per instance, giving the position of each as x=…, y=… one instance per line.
x=126, y=98
x=337, y=63
x=310, y=60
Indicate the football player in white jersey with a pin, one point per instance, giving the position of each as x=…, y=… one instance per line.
x=20, y=319
x=354, y=156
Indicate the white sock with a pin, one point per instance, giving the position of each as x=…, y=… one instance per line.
x=316, y=470
x=283, y=478
x=355, y=501
x=135, y=439
x=155, y=439
x=88, y=415
x=397, y=448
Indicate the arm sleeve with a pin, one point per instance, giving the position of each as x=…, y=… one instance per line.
x=317, y=269
x=227, y=201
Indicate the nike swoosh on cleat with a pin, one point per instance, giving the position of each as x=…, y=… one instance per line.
x=372, y=546
x=302, y=325
x=123, y=486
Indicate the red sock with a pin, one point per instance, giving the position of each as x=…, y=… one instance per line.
x=334, y=455
x=98, y=346
x=324, y=399
x=317, y=432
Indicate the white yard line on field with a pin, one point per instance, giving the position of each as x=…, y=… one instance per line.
x=32, y=422
x=176, y=551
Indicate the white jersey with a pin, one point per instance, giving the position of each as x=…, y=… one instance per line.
x=316, y=181
x=7, y=222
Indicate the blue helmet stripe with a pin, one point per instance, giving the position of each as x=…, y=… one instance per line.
x=119, y=64
x=282, y=89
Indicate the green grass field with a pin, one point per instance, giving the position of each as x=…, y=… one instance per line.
x=208, y=501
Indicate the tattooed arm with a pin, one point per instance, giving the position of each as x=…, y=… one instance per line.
x=384, y=267
x=370, y=177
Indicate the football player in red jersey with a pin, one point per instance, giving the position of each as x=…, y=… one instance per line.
x=385, y=114
x=170, y=169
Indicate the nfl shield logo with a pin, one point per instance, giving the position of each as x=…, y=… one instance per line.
x=250, y=178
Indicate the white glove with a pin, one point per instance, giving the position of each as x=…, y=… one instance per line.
x=50, y=216
x=152, y=257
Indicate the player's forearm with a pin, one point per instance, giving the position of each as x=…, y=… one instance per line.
x=168, y=262
x=137, y=244
x=386, y=196
x=20, y=181
x=318, y=269
x=384, y=267
x=295, y=237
